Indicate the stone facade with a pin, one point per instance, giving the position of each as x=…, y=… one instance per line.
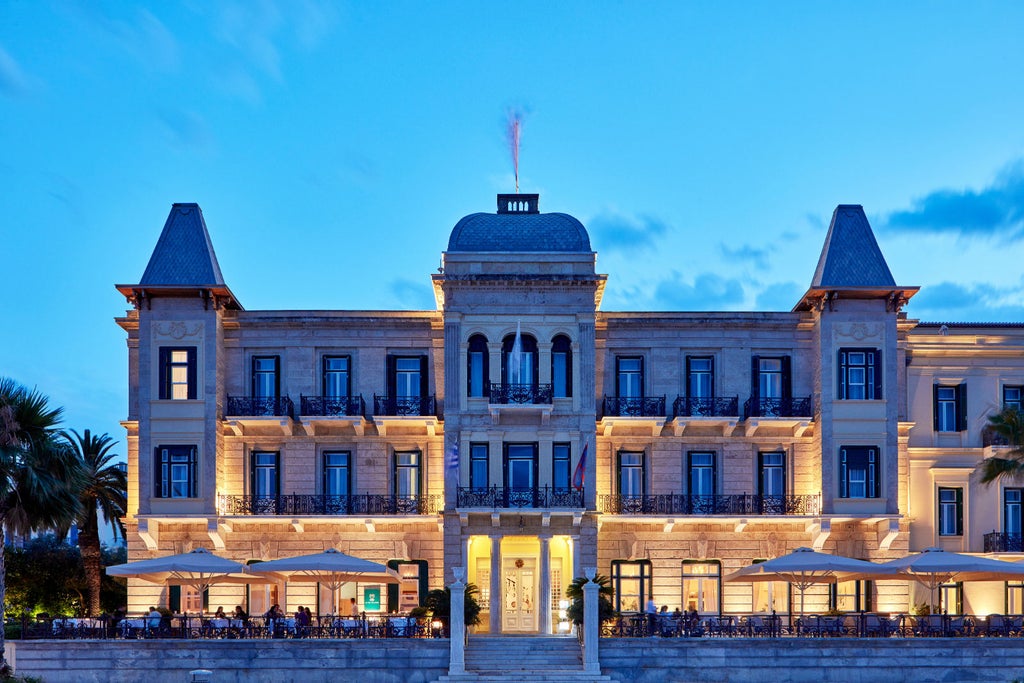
x=454, y=438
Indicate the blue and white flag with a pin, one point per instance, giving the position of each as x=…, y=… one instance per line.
x=579, y=476
x=453, y=457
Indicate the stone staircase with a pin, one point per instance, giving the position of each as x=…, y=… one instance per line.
x=523, y=659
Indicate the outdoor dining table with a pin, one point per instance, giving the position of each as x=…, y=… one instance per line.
x=132, y=626
x=65, y=624
x=350, y=628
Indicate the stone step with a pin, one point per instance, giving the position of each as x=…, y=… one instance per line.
x=530, y=676
x=520, y=654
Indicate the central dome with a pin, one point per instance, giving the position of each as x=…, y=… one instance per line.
x=519, y=226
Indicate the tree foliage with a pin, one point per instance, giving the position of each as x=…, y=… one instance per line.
x=1008, y=425
x=439, y=602
x=605, y=608
x=103, y=492
x=45, y=575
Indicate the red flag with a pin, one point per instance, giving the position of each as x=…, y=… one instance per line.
x=581, y=470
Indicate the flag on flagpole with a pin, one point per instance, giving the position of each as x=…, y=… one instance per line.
x=581, y=470
x=515, y=359
x=453, y=457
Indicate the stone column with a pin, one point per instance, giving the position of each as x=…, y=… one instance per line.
x=457, y=623
x=591, y=622
x=544, y=599
x=495, y=625
x=574, y=545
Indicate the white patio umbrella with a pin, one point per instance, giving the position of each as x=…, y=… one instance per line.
x=804, y=567
x=199, y=569
x=330, y=568
x=933, y=567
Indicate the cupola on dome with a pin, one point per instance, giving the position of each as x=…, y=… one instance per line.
x=519, y=226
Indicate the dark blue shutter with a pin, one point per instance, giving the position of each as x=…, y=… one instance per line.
x=935, y=407
x=755, y=378
x=424, y=376
x=392, y=384
x=961, y=404
x=841, y=377
x=174, y=599
x=158, y=474
x=193, y=389
x=787, y=378
x=877, y=353
x=164, y=361
x=193, y=474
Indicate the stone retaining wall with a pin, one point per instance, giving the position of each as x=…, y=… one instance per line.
x=698, y=660
x=232, y=661
x=813, y=660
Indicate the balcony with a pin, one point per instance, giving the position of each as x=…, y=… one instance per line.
x=626, y=416
x=685, y=406
x=777, y=407
x=618, y=406
x=301, y=505
x=1001, y=542
x=323, y=415
x=732, y=505
x=497, y=497
x=259, y=406
x=332, y=406
x=521, y=394
x=404, y=406
x=259, y=415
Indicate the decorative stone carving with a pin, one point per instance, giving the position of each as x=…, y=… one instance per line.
x=858, y=331
x=177, y=329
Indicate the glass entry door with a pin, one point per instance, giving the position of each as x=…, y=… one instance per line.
x=519, y=594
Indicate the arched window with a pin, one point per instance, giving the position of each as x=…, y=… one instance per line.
x=477, y=366
x=561, y=367
x=519, y=365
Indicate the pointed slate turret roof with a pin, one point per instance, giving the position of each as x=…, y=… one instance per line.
x=183, y=254
x=851, y=257
x=851, y=264
x=182, y=262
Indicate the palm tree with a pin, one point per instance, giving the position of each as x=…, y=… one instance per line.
x=104, y=489
x=605, y=593
x=1008, y=427
x=39, y=476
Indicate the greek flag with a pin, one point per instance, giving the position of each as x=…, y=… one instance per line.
x=453, y=457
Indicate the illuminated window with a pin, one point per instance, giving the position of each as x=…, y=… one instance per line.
x=850, y=596
x=951, y=598
x=631, y=581
x=561, y=456
x=1013, y=397
x=265, y=479
x=702, y=586
x=177, y=373
x=631, y=474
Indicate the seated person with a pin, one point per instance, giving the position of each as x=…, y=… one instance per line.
x=153, y=618
x=219, y=614
x=239, y=613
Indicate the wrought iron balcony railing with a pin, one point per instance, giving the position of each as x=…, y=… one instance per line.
x=332, y=405
x=521, y=393
x=777, y=407
x=618, y=406
x=687, y=406
x=404, y=405
x=1001, y=542
x=318, y=504
x=265, y=406
x=730, y=504
x=512, y=497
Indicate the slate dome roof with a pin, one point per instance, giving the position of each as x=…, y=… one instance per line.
x=519, y=226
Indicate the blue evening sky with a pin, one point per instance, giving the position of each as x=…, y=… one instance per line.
x=332, y=147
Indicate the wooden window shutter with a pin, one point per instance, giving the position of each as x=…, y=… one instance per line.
x=787, y=378
x=164, y=362
x=935, y=407
x=392, y=385
x=755, y=377
x=158, y=474
x=878, y=374
x=174, y=599
x=961, y=405
x=277, y=376
x=425, y=376
x=193, y=389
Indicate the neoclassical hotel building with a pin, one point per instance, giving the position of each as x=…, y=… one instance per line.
x=524, y=433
